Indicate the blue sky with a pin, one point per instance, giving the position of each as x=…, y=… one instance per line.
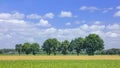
x=34, y=21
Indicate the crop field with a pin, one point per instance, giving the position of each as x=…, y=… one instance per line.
x=60, y=61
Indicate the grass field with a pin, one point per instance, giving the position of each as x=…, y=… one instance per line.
x=60, y=61
x=60, y=64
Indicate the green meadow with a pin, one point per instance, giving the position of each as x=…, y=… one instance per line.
x=59, y=63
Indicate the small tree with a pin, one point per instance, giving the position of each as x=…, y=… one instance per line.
x=35, y=48
x=47, y=46
x=26, y=48
x=77, y=45
x=18, y=48
x=64, y=46
x=55, y=45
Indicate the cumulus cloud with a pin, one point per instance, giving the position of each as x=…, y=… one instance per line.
x=33, y=16
x=29, y=32
x=17, y=30
x=68, y=24
x=113, y=26
x=91, y=8
x=36, y=16
x=65, y=14
x=112, y=34
x=118, y=7
x=117, y=14
x=97, y=22
x=49, y=15
x=107, y=10
x=13, y=21
x=44, y=23
x=15, y=15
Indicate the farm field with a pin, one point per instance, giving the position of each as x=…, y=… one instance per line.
x=57, y=57
x=60, y=61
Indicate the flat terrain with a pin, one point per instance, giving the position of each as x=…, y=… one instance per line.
x=96, y=57
x=97, y=61
x=60, y=64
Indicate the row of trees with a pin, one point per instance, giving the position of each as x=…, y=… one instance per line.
x=112, y=51
x=89, y=44
x=27, y=48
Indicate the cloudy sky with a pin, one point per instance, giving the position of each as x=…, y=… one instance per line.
x=36, y=20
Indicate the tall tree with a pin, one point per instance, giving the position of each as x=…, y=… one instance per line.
x=77, y=44
x=55, y=45
x=35, y=48
x=70, y=48
x=64, y=46
x=51, y=45
x=26, y=48
x=18, y=47
x=93, y=42
x=47, y=46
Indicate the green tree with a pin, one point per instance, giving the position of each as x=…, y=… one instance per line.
x=47, y=46
x=26, y=48
x=77, y=45
x=93, y=42
x=18, y=48
x=64, y=46
x=55, y=45
x=35, y=48
x=70, y=47
x=51, y=45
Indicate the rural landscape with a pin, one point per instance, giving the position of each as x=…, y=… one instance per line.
x=59, y=34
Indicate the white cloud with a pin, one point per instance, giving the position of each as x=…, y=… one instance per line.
x=66, y=14
x=15, y=15
x=33, y=16
x=31, y=33
x=107, y=10
x=91, y=8
x=13, y=21
x=97, y=22
x=112, y=34
x=117, y=14
x=97, y=27
x=118, y=7
x=44, y=23
x=36, y=16
x=49, y=15
x=113, y=26
x=84, y=27
x=20, y=31
x=68, y=24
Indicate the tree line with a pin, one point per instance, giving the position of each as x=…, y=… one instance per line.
x=89, y=45
x=112, y=51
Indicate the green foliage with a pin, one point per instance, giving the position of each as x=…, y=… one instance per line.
x=77, y=44
x=26, y=48
x=60, y=64
x=93, y=43
x=51, y=45
x=113, y=51
x=35, y=48
x=18, y=48
x=64, y=46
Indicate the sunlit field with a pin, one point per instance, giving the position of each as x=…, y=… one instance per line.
x=30, y=57
x=96, y=61
x=59, y=63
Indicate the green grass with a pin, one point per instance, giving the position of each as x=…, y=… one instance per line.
x=59, y=63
